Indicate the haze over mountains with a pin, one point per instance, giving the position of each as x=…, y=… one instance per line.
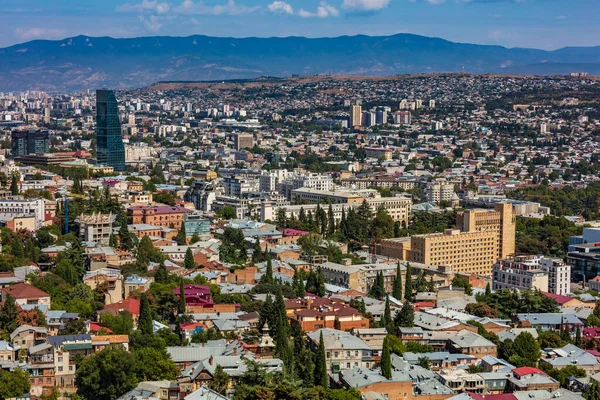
x=92, y=62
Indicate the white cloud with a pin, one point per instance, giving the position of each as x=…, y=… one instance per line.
x=40, y=33
x=281, y=7
x=324, y=10
x=152, y=23
x=199, y=8
x=145, y=5
x=365, y=5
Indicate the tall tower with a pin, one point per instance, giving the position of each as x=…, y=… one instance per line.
x=356, y=115
x=109, y=142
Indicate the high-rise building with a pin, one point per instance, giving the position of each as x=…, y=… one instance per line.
x=244, y=141
x=110, y=148
x=32, y=141
x=438, y=191
x=481, y=238
x=402, y=118
x=356, y=115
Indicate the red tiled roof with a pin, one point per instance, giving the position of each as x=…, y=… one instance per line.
x=25, y=291
x=560, y=299
x=294, y=232
x=96, y=327
x=522, y=371
x=131, y=305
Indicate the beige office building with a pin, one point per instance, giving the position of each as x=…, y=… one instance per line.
x=481, y=238
x=244, y=141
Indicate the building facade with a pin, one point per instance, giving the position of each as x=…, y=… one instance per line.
x=32, y=141
x=521, y=273
x=110, y=148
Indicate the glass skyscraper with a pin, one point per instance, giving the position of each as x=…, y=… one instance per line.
x=109, y=142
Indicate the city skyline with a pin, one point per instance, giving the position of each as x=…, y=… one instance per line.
x=510, y=23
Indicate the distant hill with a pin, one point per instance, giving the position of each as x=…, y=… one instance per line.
x=92, y=62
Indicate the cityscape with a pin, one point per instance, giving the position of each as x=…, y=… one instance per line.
x=365, y=233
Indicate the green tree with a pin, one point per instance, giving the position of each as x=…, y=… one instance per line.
x=578, y=337
x=397, y=288
x=525, y=351
x=161, y=275
x=220, y=380
x=9, y=314
x=408, y=287
x=267, y=277
x=181, y=237
x=154, y=365
x=386, y=360
x=13, y=384
x=14, y=184
x=107, y=374
x=145, y=318
x=181, y=303
x=188, y=261
x=424, y=362
x=405, y=318
x=321, y=376
x=387, y=316
x=593, y=391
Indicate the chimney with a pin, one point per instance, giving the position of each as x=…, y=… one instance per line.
x=211, y=360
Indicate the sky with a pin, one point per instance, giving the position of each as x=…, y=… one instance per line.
x=544, y=24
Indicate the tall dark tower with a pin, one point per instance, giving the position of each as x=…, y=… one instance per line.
x=109, y=142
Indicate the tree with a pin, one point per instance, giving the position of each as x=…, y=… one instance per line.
x=267, y=277
x=377, y=291
x=321, y=376
x=405, y=318
x=161, y=275
x=107, y=374
x=525, y=351
x=188, y=261
x=9, y=315
x=13, y=384
x=408, y=288
x=181, y=237
x=298, y=284
x=182, y=302
x=154, y=365
x=14, y=184
x=386, y=360
x=233, y=247
x=304, y=364
x=593, y=392
x=488, y=290
x=387, y=316
x=424, y=362
x=112, y=241
x=463, y=283
x=257, y=255
x=578, y=337
x=220, y=380
x=145, y=318
x=397, y=287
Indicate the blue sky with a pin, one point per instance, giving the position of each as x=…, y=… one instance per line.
x=547, y=24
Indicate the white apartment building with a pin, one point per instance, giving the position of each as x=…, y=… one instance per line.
x=268, y=180
x=139, y=151
x=520, y=273
x=559, y=275
x=235, y=186
x=311, y=181
x=33, y=207
x=438, y=191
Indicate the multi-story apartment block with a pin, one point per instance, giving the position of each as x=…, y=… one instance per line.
x=383, y=182
x=384, y=153
x=96, y=227
x=343, y=351
x=311, y=181
x=356, y=115
x=160, y=216
x=244, y=141
x=481, y=238
x=559, y=275
x=521, y=272
x=269, y=180
x=236, y=186
x=436, y=192
x=34, y=207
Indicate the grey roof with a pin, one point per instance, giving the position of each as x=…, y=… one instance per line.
x=59, y=340
x=39, y=347
x=412, y=331
x=413, y=358
x=571, y=355
x=225, y=325
x=469, y=339
x=24, y=328
x=550, y=318
x=193, y=353
x=512, y=334
x=335, y=339
x=204, y=393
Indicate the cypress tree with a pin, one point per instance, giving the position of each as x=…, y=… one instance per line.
x=161, y=275
x=145, y=318
x=321, y=376
x=188, y=261
x=14, y=186
x=430, y=284
x=405, y=318
x=408, y=283
x=397, y=288
x=181, y=298
x=298, y=284
x=386, y=360
x=488, y=290
x=331, y=220
x=387, y=314
x=257, y=255
x=267, y=277
x=9, y=314
x=266, y=312
x=320, y=282
x=112, y=241
x=578, y=337
x=363, y=307
x=181, y=237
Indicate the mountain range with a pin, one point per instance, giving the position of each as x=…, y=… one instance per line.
x=92, y=62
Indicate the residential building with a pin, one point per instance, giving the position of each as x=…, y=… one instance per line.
x=379, y=153
x=166, y=216
x=244, y=141
x=559, y=275
x=110, y=148
x=519, y=272
x=96, y=227
x=343, y=351
x=136, y=283
x=438, y=191
x=35, y=207
x=356, y=115
x=24, y=293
